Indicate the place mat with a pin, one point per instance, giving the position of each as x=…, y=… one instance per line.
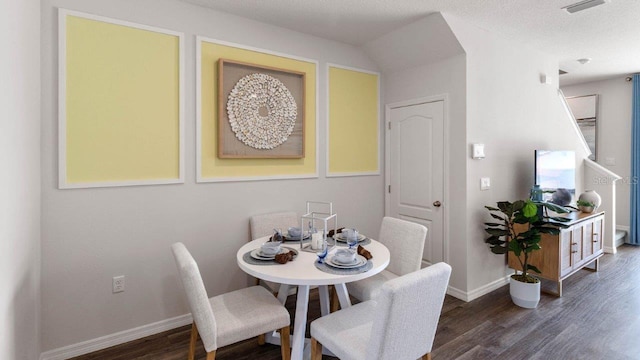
x=366, y=241
x=249, y=260
x=336, y=271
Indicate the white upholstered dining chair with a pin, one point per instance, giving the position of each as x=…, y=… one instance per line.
x=405, y=241
x=263, y=225
x=400, y=324
x=232, y=317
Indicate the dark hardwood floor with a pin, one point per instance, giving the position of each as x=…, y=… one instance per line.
x=597, y=318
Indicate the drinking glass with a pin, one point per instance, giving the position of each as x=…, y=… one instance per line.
x=352, y=239
x=322, y=251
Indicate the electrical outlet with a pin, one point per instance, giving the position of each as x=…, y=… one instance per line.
x=118, y=284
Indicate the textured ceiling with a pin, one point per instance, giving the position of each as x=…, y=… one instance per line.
x=608, y=34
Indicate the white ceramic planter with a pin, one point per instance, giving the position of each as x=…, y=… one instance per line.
x=526, y=295
x=592, y=197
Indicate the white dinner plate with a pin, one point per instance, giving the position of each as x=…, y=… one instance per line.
x=286, y=237
x=258, y=255
x=340, y=237
x=360, y=260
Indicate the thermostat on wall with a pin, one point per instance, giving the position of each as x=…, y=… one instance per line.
x=478, y=151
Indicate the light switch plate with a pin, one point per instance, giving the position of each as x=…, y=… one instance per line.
x=485, y=183
x=610, y=161
x=478, y=151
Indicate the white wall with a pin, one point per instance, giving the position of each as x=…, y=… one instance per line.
x=20, y=179
x=427, y=60
x=424, y=59
x=512, y=113
x=91, y=235
x=443, y=77
x=614, y=135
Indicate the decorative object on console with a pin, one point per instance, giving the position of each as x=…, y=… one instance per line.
x=585, y=206
x=591, y=196
x=506, y=236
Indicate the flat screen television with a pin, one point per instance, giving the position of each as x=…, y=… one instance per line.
x=555, y=172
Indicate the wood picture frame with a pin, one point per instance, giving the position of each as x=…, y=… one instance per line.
x=229, y=146
x=585, y=112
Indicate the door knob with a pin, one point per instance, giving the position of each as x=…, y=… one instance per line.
x=437, y=203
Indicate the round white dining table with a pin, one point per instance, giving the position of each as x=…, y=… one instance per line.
x=302, y=273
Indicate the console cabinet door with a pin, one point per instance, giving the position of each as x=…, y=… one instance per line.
x=587, y=240
x=565, y=252
x=576, y=246
x=598, y=232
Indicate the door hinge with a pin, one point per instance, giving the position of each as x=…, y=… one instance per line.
x=389, y=125
x=389, y=189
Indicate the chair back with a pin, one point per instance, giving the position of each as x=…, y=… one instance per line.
x=405, y=241
x=196, y=296
x=263, y=225
x=408, y=312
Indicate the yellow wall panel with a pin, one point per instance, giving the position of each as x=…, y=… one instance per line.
x=353, y=122
x=122, y=102
x=212, y=167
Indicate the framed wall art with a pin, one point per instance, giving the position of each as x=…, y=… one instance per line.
x=585, y=111
x=121, y=103
x=353, y=100
x=260, y=111
x=238, y=61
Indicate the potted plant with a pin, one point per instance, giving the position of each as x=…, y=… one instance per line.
x=586, y=206
x=518, y=230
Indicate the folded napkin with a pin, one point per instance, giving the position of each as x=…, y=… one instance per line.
x=284, y=258
x=364, y=252
x=331, y=232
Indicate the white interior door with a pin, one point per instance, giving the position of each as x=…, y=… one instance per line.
x=415, y=186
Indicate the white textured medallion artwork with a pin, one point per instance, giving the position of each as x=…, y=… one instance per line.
x=262, y=112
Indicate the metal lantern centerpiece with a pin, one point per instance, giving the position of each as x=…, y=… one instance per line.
x=319, y=216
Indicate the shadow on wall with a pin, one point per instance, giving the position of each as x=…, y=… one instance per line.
x=24, y=318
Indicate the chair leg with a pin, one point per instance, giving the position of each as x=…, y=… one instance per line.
x=316, y=349
x=426, y=356
x=192, y=341
x=261, y=340
x=334, y=302
x=211, y=355
x=285, y=347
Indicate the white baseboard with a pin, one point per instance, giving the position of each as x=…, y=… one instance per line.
x=476, y=293
x=118, y=338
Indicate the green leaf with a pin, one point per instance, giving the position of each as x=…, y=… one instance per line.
x=497, y=232
x=559, y=219
x=493, y=224
x=530, y=209
x=518, y=205
x=531, y=267
x=498, y=217
x=492, y=208
x=557, y=208
x=515, y=247
x=494, y=240
x=499, y=250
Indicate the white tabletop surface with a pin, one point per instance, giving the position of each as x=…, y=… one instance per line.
x=302, y=271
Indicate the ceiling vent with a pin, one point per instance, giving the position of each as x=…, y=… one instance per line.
x=562, y=72
x=583, y=5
